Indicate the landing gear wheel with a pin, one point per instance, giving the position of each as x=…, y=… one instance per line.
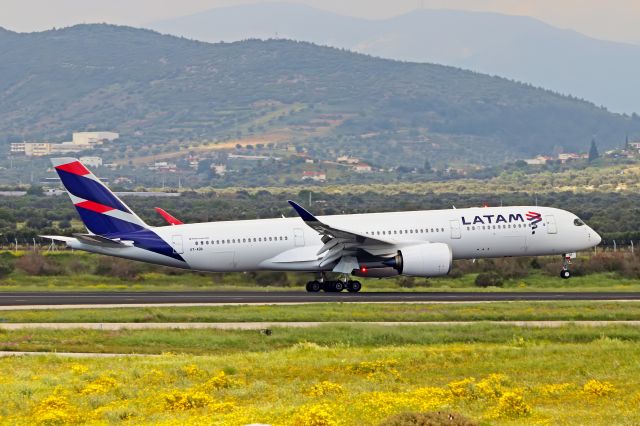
x=566, y=262
x=314, y=286
x=354, y=286
x=338, y=286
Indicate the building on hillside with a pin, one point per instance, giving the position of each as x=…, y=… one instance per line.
x=362, y=168
x=93, y=138
x=220, y=169
x=568, y=157
x=81, y=141
x=635, y=146
x=540, y=160
x=91, y=161
x=314, y=176
x=345, y=159
x=37, y=149
x=17, y=148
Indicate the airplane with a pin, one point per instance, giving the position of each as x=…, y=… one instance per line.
x=414, y=243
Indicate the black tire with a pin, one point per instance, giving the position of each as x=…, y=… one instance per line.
x=354, y=286
x=313, y=286
x=327, y=287
x=338, y=286
x=565, y=274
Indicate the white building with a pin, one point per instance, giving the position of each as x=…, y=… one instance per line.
x=348, y=160
x=315, y=176
x=363, y=168
x=91, y=161
x=92, y=138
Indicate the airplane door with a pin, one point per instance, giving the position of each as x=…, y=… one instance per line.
x=298, y=237
x=455, y=229
x=176, y=243
x=552, y=228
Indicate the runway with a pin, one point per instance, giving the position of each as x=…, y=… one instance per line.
x=9, y=299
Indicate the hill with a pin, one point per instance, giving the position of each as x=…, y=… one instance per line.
x=164, y=93
x=516, y=47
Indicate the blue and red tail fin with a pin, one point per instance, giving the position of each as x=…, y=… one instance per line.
x=102, y=212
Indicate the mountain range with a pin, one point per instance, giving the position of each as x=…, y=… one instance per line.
x=515, y=47
x=163, y=92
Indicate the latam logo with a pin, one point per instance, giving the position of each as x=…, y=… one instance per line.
x=488, y=219
x=534, y=219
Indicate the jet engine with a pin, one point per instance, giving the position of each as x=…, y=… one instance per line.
x=425, y=260
x=421, y=260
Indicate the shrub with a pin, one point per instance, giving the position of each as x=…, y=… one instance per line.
x=119, y=268
x=33, y=263
x=272, y=278
x=428, y=419
x=6, y=266
x=598, y=388
x=488, y=279
x=511, y=405
x=325, y=388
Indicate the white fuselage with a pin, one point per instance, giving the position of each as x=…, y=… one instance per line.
x=289, y=244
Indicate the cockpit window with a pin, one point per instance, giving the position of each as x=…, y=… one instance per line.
x=578, y=222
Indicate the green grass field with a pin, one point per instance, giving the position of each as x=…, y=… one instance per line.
x=153, y=281
x=361, y=312
x=343, y=375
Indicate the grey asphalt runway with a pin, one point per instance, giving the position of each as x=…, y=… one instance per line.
x=230, y=297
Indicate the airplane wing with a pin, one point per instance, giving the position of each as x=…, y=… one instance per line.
x=341, y=245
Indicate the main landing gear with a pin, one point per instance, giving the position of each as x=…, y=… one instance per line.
x=333, y=286
x=566, y=261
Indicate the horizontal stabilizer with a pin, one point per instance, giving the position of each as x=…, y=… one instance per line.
x=98, y=240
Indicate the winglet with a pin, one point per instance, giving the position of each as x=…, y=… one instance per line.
x=305, y=215
x=170, y=219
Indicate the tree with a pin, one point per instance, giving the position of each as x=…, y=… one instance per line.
x=593, y=151
x=35, y=190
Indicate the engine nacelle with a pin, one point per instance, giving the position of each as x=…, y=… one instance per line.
x=376, y=272
x=425, y=260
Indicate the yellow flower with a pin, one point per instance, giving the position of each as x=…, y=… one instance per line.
x=102, y=384
x=554, y=389
x=325, y=388
x=192, y=370
x=79, y=368
x=55, y=410
x=431, y=398
x=315, y=415
x=491, y=387
x=598, y=388
x=377, y=370
x=511, y=405
x=181, y=401
x=219, y=381
x=464, y=388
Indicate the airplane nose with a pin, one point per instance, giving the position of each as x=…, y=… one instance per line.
x=595, y=237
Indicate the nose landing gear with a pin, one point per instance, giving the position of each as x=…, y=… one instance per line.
x=566, y=261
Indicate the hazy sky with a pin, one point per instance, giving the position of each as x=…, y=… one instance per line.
x=606, y=19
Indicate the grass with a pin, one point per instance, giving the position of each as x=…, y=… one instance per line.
x=361, y=312
x=203, y=341
x=328, y=376
x=193, y=281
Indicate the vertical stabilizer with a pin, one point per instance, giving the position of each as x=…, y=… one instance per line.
x=102, y=212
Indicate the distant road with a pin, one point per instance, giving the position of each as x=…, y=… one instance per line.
x=256, y=297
